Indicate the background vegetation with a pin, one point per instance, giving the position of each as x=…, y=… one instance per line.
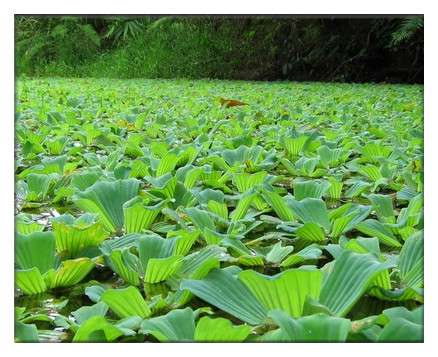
x=248, y=48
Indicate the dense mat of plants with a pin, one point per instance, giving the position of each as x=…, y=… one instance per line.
x=148, y=211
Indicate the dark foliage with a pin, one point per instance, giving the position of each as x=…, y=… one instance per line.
x=250, y=48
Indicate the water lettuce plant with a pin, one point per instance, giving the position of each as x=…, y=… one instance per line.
x=146, y=211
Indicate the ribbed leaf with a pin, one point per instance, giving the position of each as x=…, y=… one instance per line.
x=125, y=264
x=286, y=291
x=383, y=206
x=139, y=169
x=331, y=157
x=220, y=330
x=69, y=273
x=219, y=208
x=309, y=189
x=167, y=164
x=374, y=228
x=314, y=328
x=177, y=325
x=348, y=219
x=245, y=181
x=73, y=235
x=150, y=247
x=163, y=186
x=334, y=190
x=308, y=253
x=30, y=281
x=25, y=225
x=349, y=279
x=311, y=232
x=84, y=179
x=371, y=172
x=97, y=329
x=402, y=325
x=356, y=189
x=311, y=210
x=36, y=250
x=401, y=330
x=39, y=185
x=184, y=240
x=279, y=206
x=373, y=151
x=294, y=146
x=242, y=206
x=161, y=269
x=223, y=290
x=191, y=177
x=201, y=219
x=107, y=199
x=26, y=332
x=126, y=302
x=138, y=216
x=86, y=312
x=411, y=261
x=278, y=253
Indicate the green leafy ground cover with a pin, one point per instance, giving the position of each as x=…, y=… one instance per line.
x=145, y=211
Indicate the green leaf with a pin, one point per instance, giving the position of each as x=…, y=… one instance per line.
x=411, y=261
x=26, y=332
x=311, y=210
x=125, y=264
x=356, y=189
x=286, y=291
x=401, y=330
x=311, y=232
x=294, y=146
x=349, y=279
x=107, y=199
x=402, y=325
x=201, y=219
x=126, y=302
x=278, y=204
x=245, y=181
x=30, y=281
x=167, y=164
x=348, y=219
x=39, y=186
x=383, y=206
x=308, y=253
x=278, y=253
x=25, y=225
x=69, y=273
x=219, y=208
x=220, y=330
x=177, y=325
x=160, y=269
x=374, y=228
x=242, y=207
x=138, y=216
x=371, y=172
x=309, y=189
x=334, y=190
x=150, y=247
x=223, y=290
x=36, y=250
x=86, y=312
x=314, y=328
x=331, y=157
x=73, y=235
x=97, y=329
x=94, y=292
x=84, y=179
